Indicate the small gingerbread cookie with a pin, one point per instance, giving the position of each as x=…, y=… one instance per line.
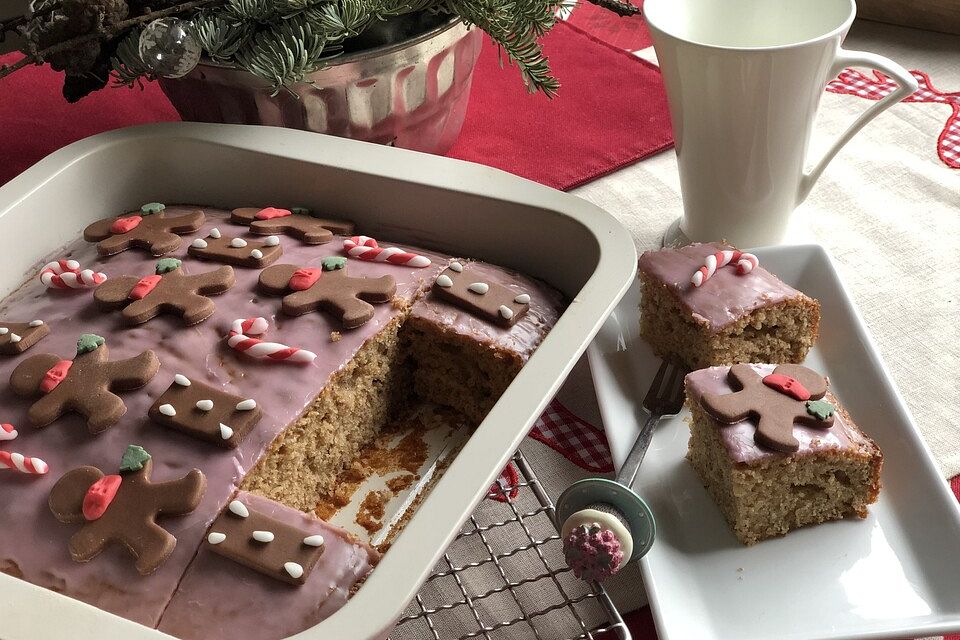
x=204, y=412
x=790, y=395
x=84, y=385
x=252, y=254
x=302, y=225
x=150, y=228
x=488, y=300
x=17, y=337
x=124, y=508
x=327, y=288
x=169, y=290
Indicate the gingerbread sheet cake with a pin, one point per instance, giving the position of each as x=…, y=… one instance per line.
x=355, y=344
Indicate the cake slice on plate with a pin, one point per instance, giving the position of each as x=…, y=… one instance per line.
x=776, y=450
x=701, y=311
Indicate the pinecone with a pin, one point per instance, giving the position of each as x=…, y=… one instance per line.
x=72, y=19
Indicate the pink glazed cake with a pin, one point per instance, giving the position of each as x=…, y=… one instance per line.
x=185, y=383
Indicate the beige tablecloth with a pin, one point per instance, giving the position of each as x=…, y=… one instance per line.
x=888, y=211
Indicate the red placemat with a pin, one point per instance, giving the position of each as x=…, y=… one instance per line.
x=611, y=111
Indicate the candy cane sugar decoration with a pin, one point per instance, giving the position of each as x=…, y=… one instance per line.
x=17, y=461
x=240, y=339
x=67, y=274
x=746, y=262
x=366, y=248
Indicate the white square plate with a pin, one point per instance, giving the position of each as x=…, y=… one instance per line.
x=894, y=574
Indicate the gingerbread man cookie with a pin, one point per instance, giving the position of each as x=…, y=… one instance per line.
x=124, y=508
x=468, y=289
x=790, y=395
x=168, y=291
x=17, y=337
x=327, y=288
x=150, y=229
x=253, y=254
x=298, y=224
x=84, y=385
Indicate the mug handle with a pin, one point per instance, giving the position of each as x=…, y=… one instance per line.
x=906, y=85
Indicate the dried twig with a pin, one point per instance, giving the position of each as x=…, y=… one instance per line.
x=102, y=34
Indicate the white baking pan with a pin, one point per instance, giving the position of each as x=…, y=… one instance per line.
x=457, y=207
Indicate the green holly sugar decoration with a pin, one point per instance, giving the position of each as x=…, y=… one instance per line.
x=300, y=211
x=332, y=263
x=166, y=265
x=152, y=207
x=820, y=409
x=133, y=458
x=88, y=342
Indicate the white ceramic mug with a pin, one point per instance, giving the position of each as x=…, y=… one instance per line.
x=744, y=80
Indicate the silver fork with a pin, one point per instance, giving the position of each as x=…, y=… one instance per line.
x=664, y=398
x=594, y=504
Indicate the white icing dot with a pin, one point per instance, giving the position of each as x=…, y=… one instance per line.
x=444, y=281
x=293, y=569
x=4, y=331
x=216, y=537
x=199, y=243
x=238, y=508
x=479, y=287
x=271, y=241
x=456, y=266
x=314, y=540
x=263, y=536
x=247, y=405
x=181, y=380
x=225, y=432
x=238, y=243
x=167, y=410
x=523, y=298
x=506, y=311
x=215, y=233
x=14, y=337
x=205, y=405
x=256, y=254
x=36, y=323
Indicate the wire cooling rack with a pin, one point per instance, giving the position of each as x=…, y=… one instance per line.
x=504, y=578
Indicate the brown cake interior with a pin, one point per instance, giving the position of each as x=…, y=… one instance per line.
x=782, y=492
x=455, y=371
x=304, y=461
x=781, y=332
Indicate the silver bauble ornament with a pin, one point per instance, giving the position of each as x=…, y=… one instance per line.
x=170, y=47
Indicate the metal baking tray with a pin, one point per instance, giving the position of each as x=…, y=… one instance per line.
x=457, y=207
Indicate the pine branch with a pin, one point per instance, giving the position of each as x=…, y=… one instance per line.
x=219, y=37
x=104, y=34
x=284, y=55
x=619, y=7
x=128, y=67
x=516, y=27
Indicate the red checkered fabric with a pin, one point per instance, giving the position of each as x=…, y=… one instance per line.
x=507, y=486
x=576, y=440
x=854, y=83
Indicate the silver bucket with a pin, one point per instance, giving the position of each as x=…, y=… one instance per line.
x=411, y=94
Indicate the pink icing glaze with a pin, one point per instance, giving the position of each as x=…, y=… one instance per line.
x=738, y=438
x=722, y=299
x=35, y=546
x=211, y=601
x=523, y=337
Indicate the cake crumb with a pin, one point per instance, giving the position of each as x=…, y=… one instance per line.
x=370, y=514
x=335, y=336
x=401, y=483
